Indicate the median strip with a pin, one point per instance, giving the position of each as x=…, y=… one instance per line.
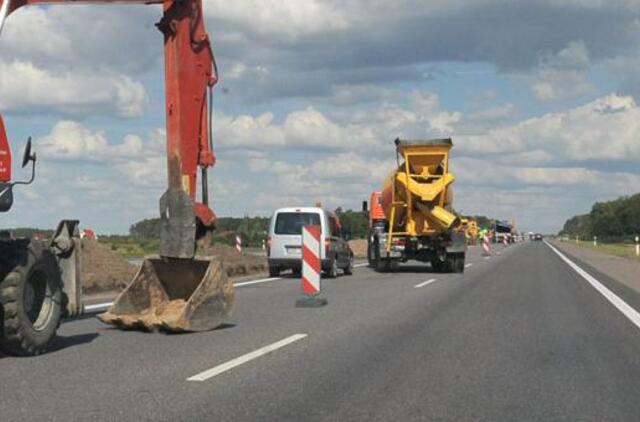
x=615, y=300
x=424, y=283
x=217, y=370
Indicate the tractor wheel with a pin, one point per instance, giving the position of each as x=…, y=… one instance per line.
x=30, y=299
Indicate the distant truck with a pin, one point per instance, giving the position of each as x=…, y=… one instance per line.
x=502, y=230
x=412, y=218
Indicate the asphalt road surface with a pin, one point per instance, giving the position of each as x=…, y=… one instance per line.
x=520, y=336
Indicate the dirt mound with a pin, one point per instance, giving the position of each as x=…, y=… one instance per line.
x=359, y=248
x=234, y=263
x=103, y=269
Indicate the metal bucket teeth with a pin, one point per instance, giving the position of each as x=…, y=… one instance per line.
x=174, y=295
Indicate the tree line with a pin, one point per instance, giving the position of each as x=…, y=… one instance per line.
x=611, y=221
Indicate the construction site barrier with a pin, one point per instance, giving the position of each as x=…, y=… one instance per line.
x=311, y=268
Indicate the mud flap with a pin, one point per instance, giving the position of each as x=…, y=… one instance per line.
x=174, y=295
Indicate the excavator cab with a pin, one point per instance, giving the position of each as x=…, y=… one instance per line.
x=6, y=185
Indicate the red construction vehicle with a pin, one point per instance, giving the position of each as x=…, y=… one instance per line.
x=175, y=292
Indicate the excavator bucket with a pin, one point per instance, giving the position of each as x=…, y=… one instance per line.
x=174, y=295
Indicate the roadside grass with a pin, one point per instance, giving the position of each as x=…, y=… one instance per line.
x=625, y=250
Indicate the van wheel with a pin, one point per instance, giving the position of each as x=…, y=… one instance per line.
x=332, y=272
x=274, y=272
x=348, y=270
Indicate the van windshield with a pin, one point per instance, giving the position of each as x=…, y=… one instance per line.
x=293, y=222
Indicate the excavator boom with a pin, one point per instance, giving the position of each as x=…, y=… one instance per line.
x=176, y=283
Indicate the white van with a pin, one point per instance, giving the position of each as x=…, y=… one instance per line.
x=284, y=245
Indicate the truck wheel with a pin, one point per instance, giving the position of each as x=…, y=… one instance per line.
x=456, y=262
x=31, y=297
x=371, y=259
x=438, y=266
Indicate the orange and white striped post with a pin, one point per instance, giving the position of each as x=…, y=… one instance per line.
x=238, y=243
x=311, y=268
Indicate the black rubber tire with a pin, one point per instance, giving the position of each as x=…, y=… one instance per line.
x=348, y=270
x=371, y=259
x=332, y=271
x=30, y=299
x=274, y=272
x=456, y=263
x=438, y=266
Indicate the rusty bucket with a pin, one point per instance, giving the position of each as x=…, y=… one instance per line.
x=174, y=295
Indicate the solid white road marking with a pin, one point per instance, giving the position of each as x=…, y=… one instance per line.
x=424, y=283
x=98, y=306
x=487, y=257
x=262, y=280
x=210, y=373
x=468, y=265
x=360, y=265
x=622, y=306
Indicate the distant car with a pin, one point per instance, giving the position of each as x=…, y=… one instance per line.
x=537, y=236
x=284, y=245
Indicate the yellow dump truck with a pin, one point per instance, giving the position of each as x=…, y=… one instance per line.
x=412, y=217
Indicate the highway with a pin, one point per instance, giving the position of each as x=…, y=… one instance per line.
x=520, y=336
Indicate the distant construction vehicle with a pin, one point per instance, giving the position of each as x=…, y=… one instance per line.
x=412, y=218
x=470, y=229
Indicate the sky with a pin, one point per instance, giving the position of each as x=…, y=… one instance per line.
x=540, y=99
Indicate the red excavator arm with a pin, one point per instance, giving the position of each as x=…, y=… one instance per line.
x=190, y=74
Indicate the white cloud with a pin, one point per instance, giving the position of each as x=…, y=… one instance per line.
x=72, y=141
x=564, y=74
x=27, y=88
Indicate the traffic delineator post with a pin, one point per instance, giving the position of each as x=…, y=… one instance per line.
x=311, y=268
x=486, y=249
x=505, y=240
x=238, y=243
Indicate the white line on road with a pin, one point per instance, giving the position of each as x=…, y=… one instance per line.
x=210, y=373
x=262, y=280
x=622, y=306
x=360, y=265
x=468, y=265
x=98, y=306
x=487, y=257
x=424, y=283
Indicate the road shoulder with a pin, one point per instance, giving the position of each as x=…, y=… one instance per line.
x=624, y=271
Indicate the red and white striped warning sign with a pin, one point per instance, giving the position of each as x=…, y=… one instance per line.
x=311, y=260
x=485, y=245
x=238, y=243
